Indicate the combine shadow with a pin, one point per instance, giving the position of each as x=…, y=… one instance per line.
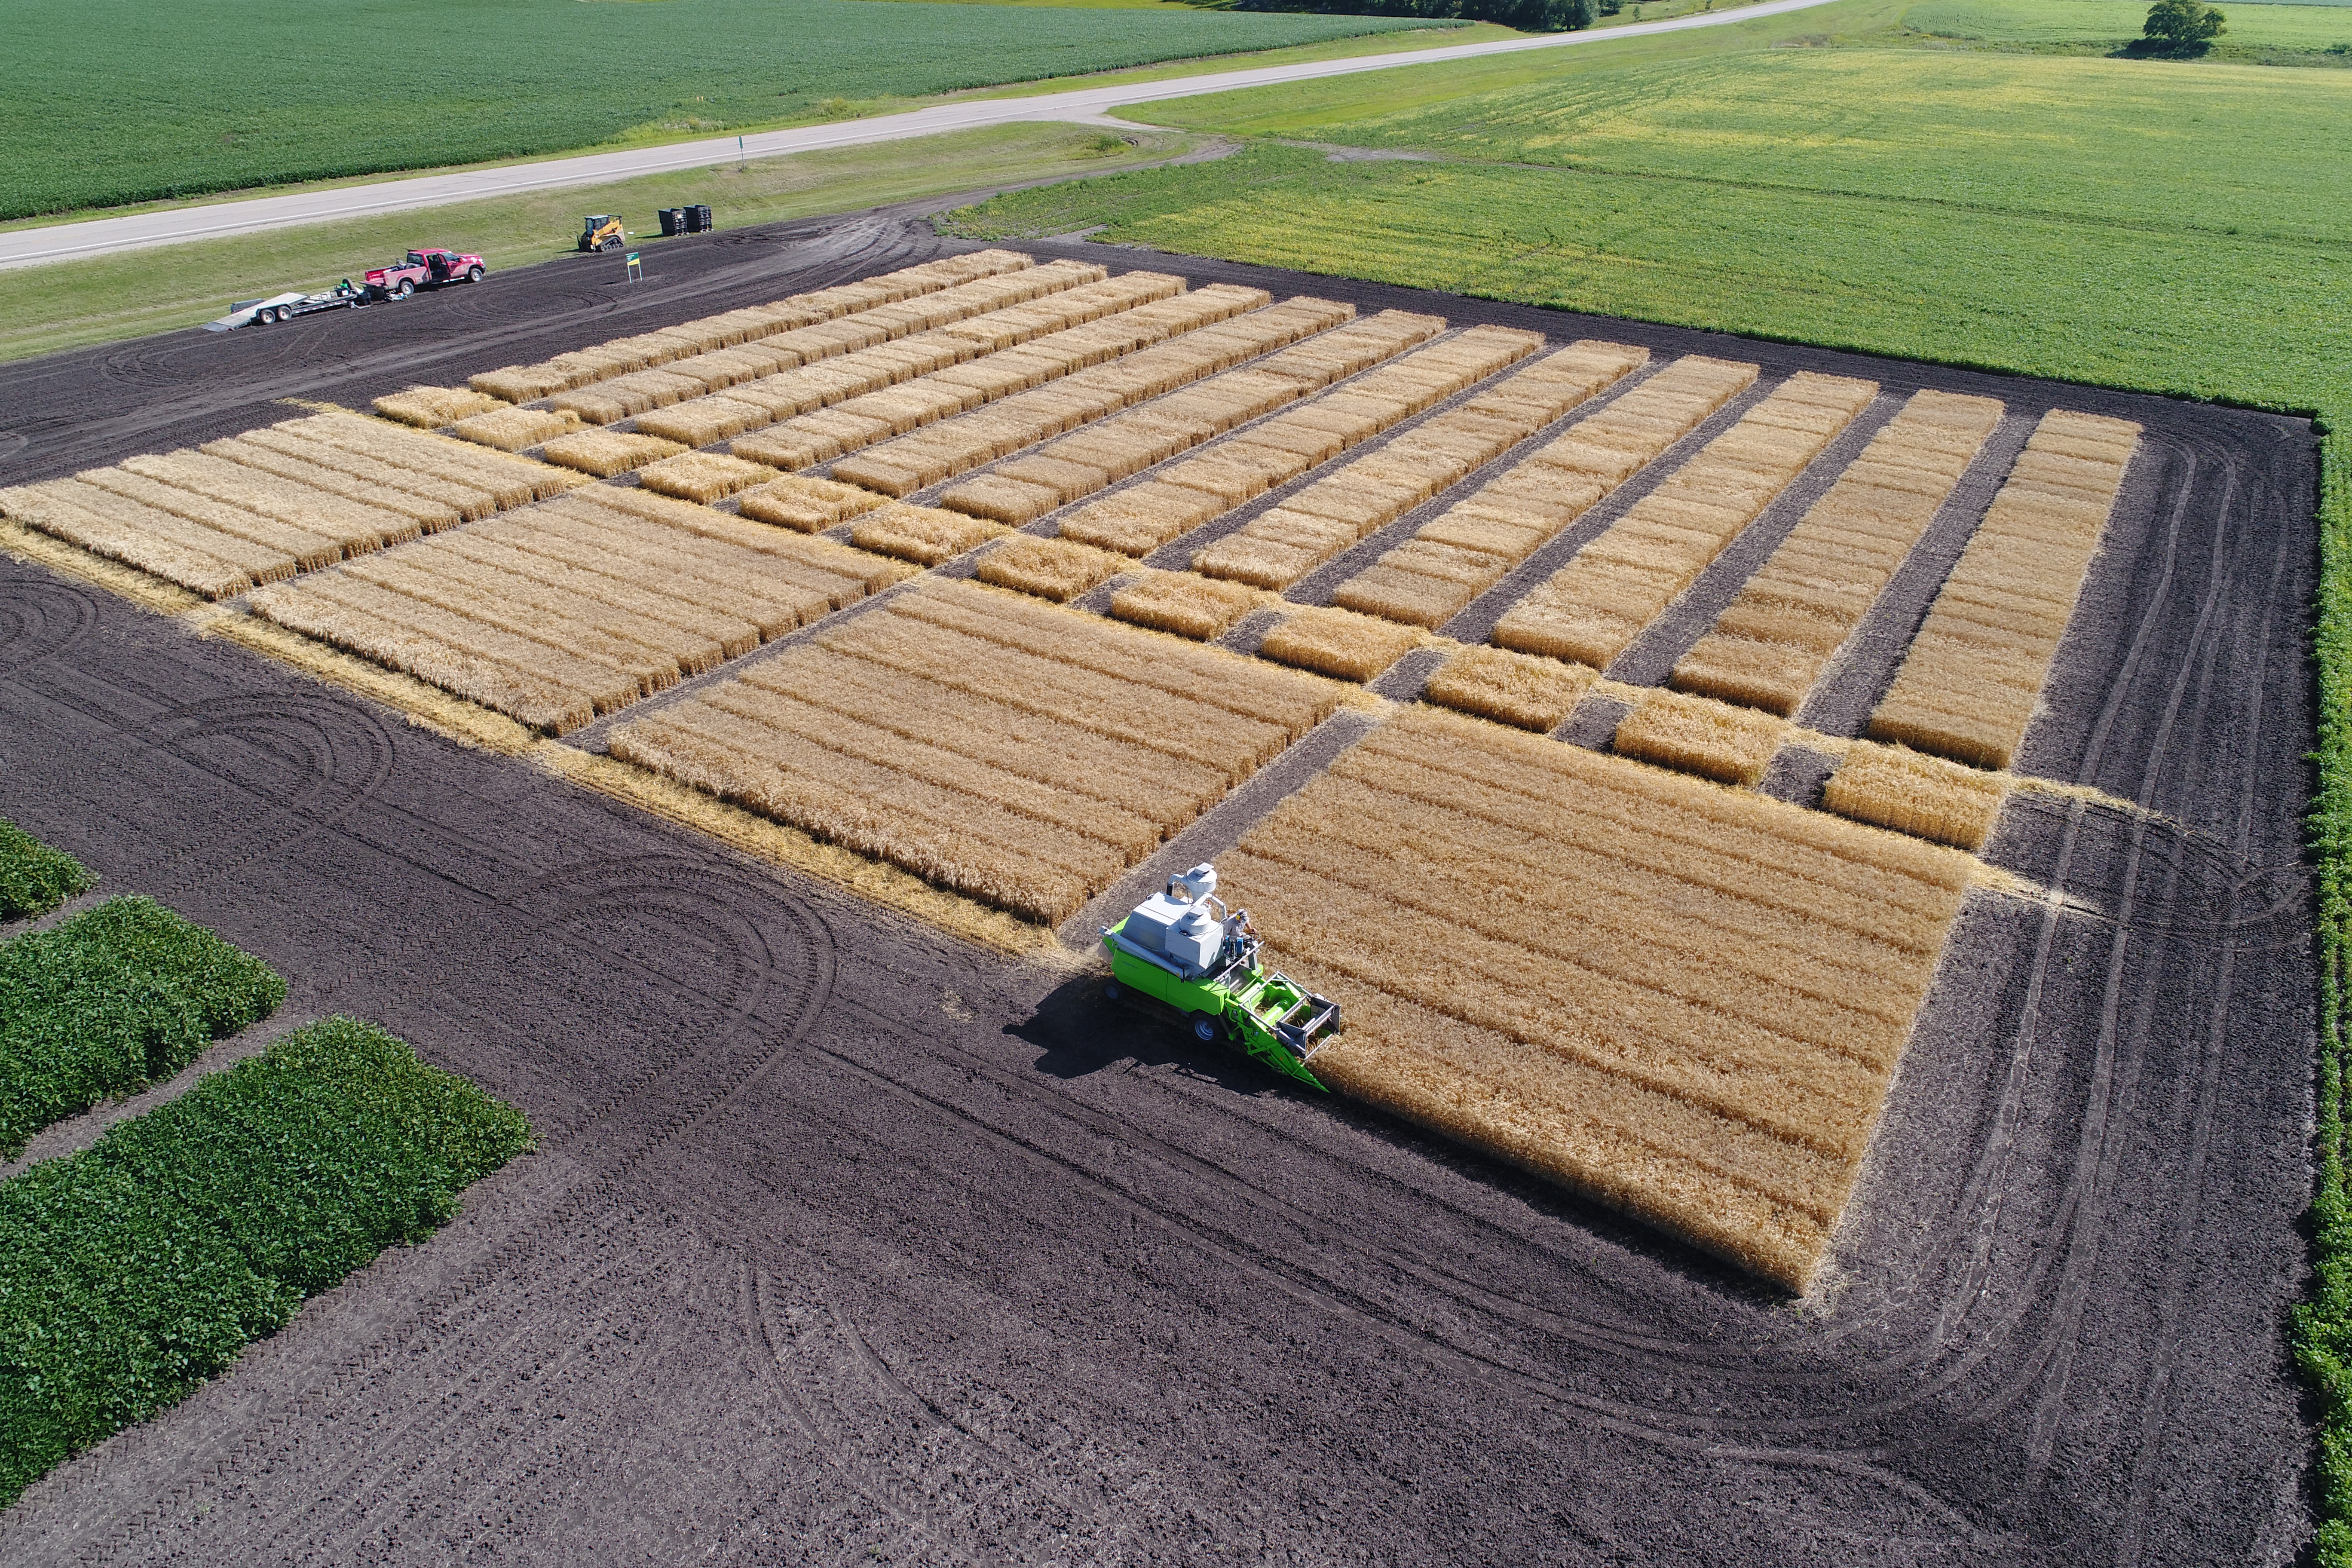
x=1078, y=1032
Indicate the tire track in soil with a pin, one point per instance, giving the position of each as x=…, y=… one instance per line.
x=618, y=1130
x=39, y=620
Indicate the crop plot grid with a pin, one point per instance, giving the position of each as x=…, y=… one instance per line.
x=1006, y=572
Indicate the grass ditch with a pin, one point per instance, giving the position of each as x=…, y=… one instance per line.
x=33, y=878
x=138, y=1269
x=117, y=998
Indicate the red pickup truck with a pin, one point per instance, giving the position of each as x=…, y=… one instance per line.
x=422, y=269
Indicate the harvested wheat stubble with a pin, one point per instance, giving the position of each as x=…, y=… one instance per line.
x=1593, y=607
x=607, y=453
x=1770, y=645
x=1967, y=686
x=215, y=564
x=512, y=429
x=922, y=533
x=704, y=476
x=1339, y=643
x=578, y=607
x=512, y=481
x=1515, y=689
x=1674, y=998
x=1894, y=786
x=1053, y=569
x=1078, y=397
x=1185, y=604
x=1006, y=749
x=521, y=384
x=432, y=407
x=859, y=373
x=809, y=505
x=1714, y=739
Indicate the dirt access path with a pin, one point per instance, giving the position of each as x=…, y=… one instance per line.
x=848, y=1243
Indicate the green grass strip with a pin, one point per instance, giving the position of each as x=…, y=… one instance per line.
x=117, y=998
x=34, y=876
x=2322, y=1327
x=133, y=1271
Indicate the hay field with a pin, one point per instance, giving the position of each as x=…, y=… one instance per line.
x=1704, y=1040
x=1593, y=608
x=579, y=605
x=1770, y=643
x=1967, y=686
x=1014, y=751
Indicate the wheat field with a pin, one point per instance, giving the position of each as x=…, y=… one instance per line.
x=1593, y=608
x=1967, y=686
x=577, y=606
x=1771, y=643
x=1010, y=751
x=1684, y=1001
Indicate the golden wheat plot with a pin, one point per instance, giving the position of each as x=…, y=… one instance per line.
x=1967, y=686
x=259, y=507
x=1508, y=517
x=1123, y=445
x=1514, y=688
x=430, y=407
x=1698, y=735
x=1076, y=396
x=578, y=606
x=1056, y=569
x=521, y=384
x=404, y=458
x=1593, y=607
x=827, y=410
x=1012, y=301
x=1339, y=643
x=1010, y=751
x=1681, y=1000
x=1769, y=647
x=748, y=402
x=1184, y=602
x=1894, y=786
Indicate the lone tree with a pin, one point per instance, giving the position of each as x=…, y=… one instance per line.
x=2181, y=26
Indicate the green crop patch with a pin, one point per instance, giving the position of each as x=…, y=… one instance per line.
x=133, y=1271
x=141, y=102
x=116, y=998
x=34, y=876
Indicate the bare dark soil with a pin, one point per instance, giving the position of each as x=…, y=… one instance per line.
x=846, y=1243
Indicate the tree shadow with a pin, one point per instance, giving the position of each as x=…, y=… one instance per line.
x=2162, y=49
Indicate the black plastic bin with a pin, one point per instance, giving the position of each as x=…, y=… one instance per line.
x=697, y=220
x=673, y=221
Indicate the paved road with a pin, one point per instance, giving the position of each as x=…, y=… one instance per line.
x=70, y=241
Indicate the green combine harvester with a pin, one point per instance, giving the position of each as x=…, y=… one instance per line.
x=1180, y=946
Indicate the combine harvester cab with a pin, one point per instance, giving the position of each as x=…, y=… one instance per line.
x=1182, y=947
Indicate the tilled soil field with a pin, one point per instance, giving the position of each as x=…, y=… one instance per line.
x=847, y=1242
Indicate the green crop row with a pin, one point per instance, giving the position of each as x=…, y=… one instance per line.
x=34, y=876
x=135, y=1270
x=2322, y=1327
x=117, y=997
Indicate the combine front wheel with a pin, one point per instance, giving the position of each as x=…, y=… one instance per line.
x=1206, y=1030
